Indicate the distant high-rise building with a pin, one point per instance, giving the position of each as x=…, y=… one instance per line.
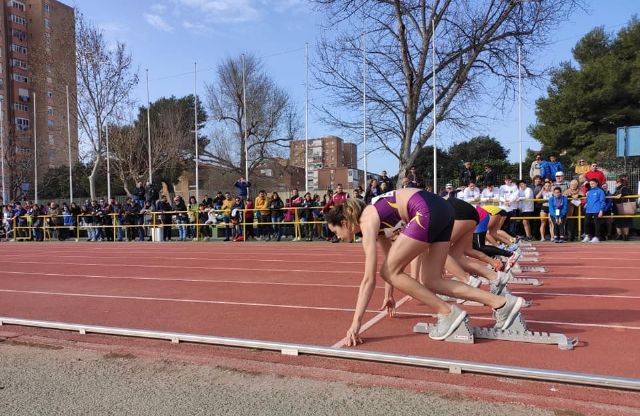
x=37, y=59
x=329, y=152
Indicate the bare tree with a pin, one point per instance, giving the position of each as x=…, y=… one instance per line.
x=268, y=108
x=105, y=81
x=171, y=143
x=476, y=59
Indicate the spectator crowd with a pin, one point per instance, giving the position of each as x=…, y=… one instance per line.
x=541, y=209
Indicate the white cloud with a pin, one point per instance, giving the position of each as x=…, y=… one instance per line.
x=112, y=28
x=158, y=8
x=158, y=22
x=224, y=10
x=195, y=27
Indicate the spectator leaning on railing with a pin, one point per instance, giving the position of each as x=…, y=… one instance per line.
x=526, y=207
x=558, y=206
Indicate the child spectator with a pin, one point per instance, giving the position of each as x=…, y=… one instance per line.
x=558, y=205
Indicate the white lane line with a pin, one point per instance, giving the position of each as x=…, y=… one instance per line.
x=266, y=283
x=579, y=278
x=160, y=279
x=138, y=257
x=181, y=267
x=371, y=322
x=578, y=324
x=208, y=302
x=578, y=295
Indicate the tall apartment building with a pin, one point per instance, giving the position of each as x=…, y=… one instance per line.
x=326, y=156
x=37, y=62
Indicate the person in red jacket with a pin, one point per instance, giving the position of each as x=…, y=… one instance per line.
x=594, y=173
x=339, y=197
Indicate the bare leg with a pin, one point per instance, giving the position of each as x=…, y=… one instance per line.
x=405, y=249
x=461, y=241
x=401, y=253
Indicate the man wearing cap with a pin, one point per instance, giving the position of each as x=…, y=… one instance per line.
x=448, y=192
x=560, y=182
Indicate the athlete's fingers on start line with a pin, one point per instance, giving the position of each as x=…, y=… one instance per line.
x=353, y=339
x=390, y=306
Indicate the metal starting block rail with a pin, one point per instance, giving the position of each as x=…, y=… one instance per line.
x=517, y=332
x=532, y=269
x=525, y=281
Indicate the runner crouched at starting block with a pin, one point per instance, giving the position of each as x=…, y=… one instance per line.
x=429, y=222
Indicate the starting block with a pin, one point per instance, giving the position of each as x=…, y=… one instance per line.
x=525, y=281
x=517, y=332
x=519, y=269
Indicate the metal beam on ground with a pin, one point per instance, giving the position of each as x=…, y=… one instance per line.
x=454, y=366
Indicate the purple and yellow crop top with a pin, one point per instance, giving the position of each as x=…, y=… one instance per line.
x=387, y=208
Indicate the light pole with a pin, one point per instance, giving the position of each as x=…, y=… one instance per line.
x=433, y=79
x=4, y=185
x=69, y=145
x=35, y=151
x=306, y=119
x=195, y=118
x=149, y=129
x=520, y=108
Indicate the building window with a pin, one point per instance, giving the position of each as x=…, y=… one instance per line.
x=17, y=19
x=20, y=107
x=50, y=123
x=50, y=94
x=1, y=84
x=46, y=8
x=19, y=63
x=49, y=80
x=19, y=78
x=23, y=94
x=22, y=124
x=18, y=48
x=17, y=33
x=18, y=5
x=51, y=140
x=50, y=111
x=46, y=23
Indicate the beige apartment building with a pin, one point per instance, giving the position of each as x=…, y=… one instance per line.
x=37, y=63
x=330, y=161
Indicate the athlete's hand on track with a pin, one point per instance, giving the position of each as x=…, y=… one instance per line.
x=389, y=304
x=353, y=338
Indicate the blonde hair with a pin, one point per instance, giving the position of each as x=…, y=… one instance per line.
x=349, y=211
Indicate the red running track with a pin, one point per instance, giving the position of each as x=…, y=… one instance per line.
x=305, y=293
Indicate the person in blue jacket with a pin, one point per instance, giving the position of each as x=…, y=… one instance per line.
x=549, y=168
x=594, y=209
x=558, y=207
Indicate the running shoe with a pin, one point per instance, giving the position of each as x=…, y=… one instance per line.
x=586, y=239
x=447, y=324
x=595, y=240
x=474, y=281
x=513, y=247
x=506, y=314
x=511, y=261
x=498, y=285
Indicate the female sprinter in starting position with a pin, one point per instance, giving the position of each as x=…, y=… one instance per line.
x=429, y=222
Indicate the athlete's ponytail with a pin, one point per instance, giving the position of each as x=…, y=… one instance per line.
x=349, y=211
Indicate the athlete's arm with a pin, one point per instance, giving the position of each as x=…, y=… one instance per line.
x=389, y=303
x=369, y=226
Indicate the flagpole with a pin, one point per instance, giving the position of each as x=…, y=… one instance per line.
x=306, y=119
x=69, y=145
x=149, y=129
x=246, y=122
x=4, y=185
x=520, y=109
x=35, y=151
x=195, y=118
x=364, y=104
x=435, y=146
x=108, y=166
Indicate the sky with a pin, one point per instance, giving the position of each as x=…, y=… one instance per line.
x=168, y=36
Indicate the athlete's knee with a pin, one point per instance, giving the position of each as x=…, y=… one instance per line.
x=387, y=271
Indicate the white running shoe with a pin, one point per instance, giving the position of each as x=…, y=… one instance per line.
x=595, y=240
x=474, y=281
x=586, y=239
x=447, y=324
